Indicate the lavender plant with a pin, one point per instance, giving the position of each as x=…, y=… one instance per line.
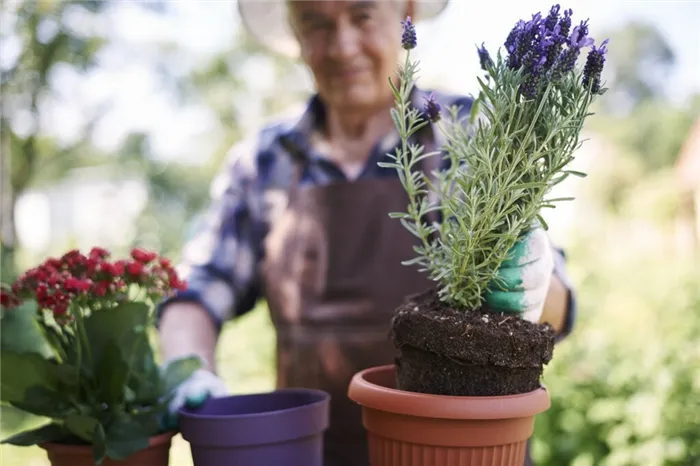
x=501, y=164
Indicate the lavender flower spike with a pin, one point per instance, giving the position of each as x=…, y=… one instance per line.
x=432, y=108
x=484, y=57
x=579, y=36
x=552, y=18
x=408, y=36
x=594, y=67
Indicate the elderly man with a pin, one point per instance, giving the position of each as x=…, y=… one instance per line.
x=300, y=218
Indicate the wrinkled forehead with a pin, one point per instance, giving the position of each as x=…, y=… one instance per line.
x=300, y=11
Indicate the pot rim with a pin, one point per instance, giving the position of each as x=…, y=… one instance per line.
x=383, y=398
x=323, y=397
x=153, y=441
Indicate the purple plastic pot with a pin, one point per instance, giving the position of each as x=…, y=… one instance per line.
x=284, y=427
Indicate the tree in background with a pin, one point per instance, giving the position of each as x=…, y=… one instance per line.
x=58, y=39
x=48, y=38
x=636, y=114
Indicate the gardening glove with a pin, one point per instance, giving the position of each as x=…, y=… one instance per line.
x=523, y=279
x=192, y=393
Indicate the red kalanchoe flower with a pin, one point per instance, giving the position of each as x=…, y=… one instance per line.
x=75, y=285
x=135, y=268
x=143, y=256
x=76, y=281
x=8, y=300
x=99, y=253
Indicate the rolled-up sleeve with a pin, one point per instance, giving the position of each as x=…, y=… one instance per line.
x=219, y=262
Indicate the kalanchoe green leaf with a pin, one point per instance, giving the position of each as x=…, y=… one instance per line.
x=50, y=432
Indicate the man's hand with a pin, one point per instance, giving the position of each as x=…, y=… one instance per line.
x=192, y=393
x=524, y=279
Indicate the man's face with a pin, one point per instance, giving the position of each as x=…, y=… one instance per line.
x=351, y=47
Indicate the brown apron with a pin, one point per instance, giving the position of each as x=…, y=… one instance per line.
x=333, y=276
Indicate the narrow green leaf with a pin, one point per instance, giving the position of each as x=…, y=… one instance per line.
x=397, y=119
x=474, y=112
x=575, y=173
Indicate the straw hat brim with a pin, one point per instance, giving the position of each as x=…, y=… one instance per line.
x=266, y=22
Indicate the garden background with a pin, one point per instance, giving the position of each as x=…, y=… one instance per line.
x=115, y=116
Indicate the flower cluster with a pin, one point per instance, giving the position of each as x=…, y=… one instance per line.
x=546, y=49
x=92, y=281
x=80, y=352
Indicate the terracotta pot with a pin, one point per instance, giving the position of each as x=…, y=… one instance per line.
x=407, y=428
x=157, y=454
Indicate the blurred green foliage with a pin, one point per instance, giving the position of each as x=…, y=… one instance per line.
x=626, y=386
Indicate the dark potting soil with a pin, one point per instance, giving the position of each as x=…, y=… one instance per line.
x=447, y=351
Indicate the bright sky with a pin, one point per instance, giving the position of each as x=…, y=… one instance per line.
x=203, y=27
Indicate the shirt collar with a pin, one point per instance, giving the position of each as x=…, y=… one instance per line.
x=301, y=130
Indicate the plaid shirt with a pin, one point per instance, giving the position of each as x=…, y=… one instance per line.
x=221, y=261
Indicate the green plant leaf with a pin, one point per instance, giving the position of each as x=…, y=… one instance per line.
x=82, y=426
x=112, y=374
x=20, y=371
x=123, y=325
x=99, y=444
x=47, y=433
x=125, y=437
x=20, y=332
x=42, y=402
x=179, y=370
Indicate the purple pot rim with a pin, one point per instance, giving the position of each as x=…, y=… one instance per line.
x=323, y=397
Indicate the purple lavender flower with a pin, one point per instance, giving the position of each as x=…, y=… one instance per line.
x=543, y=49
x=511, y=40
x=552, y=18
x=484, y=57
x=565, y=23
x=594, y=67
x=567, y=59
x=579, y=36
x=408, y=36
x=524, y=39
x=557, y=41
x=432, y=108
x=565, y=62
